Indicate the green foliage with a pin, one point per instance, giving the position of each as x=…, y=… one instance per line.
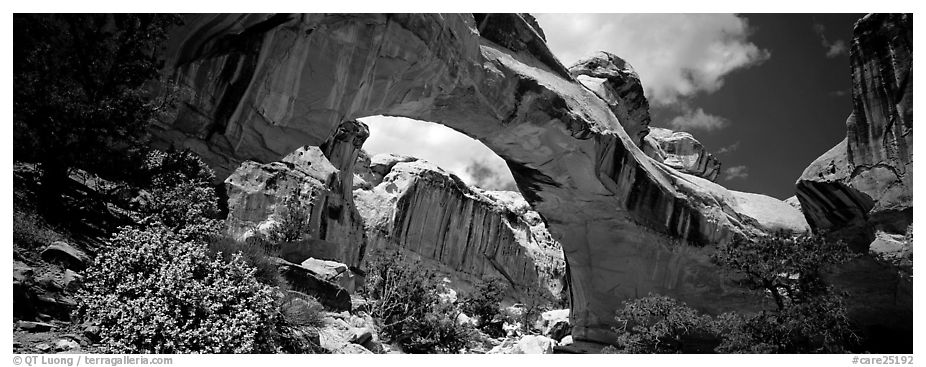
x=31, y=231
x=255, y=256
x=300, y=309
x=659, y=324
x=171, y=168
x=153, y=292
x=809, y=315
x=181, y=196
x=789, y=270
x=79, y=89
x=293, y=223
x=484, y=303
x=407, y=304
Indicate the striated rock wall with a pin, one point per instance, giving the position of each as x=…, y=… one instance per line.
x=263, y=85
x=414, y=205
x=865, y=183
x=861, y=190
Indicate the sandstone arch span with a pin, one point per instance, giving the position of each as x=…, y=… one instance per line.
x=262, y=85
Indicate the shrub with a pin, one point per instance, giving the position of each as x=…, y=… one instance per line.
x=254, y=255
x=293, y=222
x=484, y=303
x=31, y=231
x=300, y=309
x=659, y=324
x=151, y=292
x=182, y=198
x=407, y=304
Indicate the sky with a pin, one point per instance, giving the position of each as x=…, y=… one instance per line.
x=766, y=93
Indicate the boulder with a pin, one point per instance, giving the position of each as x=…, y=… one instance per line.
x=34, y=326
x=528, y=344
x=333, y=272
x=306, y=281
x=66, y=344
x=352, y=349
x=68, y=256
x=257, y=194
x=681, y=151
x=617, y=83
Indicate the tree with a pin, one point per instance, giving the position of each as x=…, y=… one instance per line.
x=79, y=90
x=809, y=316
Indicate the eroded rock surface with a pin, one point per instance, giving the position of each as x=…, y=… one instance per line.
x=680, y=150
x=861, y=190
x=258, y=195
x=417, y=206
x=263, y=85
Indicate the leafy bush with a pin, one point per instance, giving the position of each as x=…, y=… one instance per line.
x=166, y=169
x=659, y=324
x=151, y=292
x=254, y=255
x=182, y=198
x=407, y=304
x=293, y=223
x=484, y=303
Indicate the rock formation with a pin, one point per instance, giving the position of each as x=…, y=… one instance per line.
x=321, y=181
x=263, y=85
x=865, y=183
x=614, y=80
x=414, y=205
x=861, y=190
x=680, y=150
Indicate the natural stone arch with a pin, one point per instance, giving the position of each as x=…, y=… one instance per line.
x=264, y=85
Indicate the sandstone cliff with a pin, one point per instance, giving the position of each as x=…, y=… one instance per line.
x=264, y=85
x=865, y=183
x=861, y=190
x=414, y=205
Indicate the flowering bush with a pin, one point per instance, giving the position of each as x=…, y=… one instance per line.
x=152, y=292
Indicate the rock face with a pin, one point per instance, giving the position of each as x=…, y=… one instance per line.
x=680, y=150
x=615, y=81
x=865, y=183
x=861, y=190
x=416, y=206
x=258, y=194
x=264, y=85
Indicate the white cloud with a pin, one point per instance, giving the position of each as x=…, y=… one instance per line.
x=697, y=119
x=676, y=55
x=736, y=172
x=833, y=49
x=449, y=149
x=729, y=148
